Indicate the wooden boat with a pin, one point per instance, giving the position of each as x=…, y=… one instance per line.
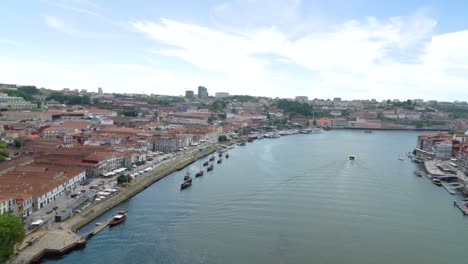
x=118, y=218
x=186, y=184
x=220, y=160
x=212, y=158
x=210, y=168
x=417, y=173
x=205, y=163
x=227, y=156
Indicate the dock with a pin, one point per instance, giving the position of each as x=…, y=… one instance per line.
x=97, y=229
x=448, y=188
x=461, y=206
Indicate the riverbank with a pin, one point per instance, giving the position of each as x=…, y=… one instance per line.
x=62, y=238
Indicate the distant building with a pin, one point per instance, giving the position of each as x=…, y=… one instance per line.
x=189, y=95
x=100, y=90
x=202, y=92
x=302, y=98
x=337, y=99
x=15, y=103
x=221, y=94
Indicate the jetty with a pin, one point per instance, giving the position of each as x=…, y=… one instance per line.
x=461, y=206
x=97, y=229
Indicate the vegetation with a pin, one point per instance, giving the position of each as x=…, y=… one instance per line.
x=457, y=111
x=18, y=143
x=129, y=113
x=408, y=104
x=222, y=138
x=19, y=93
x=29, y=89
x=211, y=119
x=242, y=98
x=218, y=106
x=164, y=100
x=294, y=108
x=12, y=232
x=69, y=99
x=124, y=178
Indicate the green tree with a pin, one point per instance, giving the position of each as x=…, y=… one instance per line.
x=18, y=143
x=124, y=178
x=29, y=89
x=419, y=124
x=11, y=233
x=222, y=138
x=211, y=119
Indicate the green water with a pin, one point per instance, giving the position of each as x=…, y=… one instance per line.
x=296, y=199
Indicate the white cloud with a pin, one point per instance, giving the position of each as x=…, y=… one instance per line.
x=393, y=58
x=60, y=25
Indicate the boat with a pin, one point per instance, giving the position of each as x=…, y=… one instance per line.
x=275, y=135
x=227, y=156
x=436, y=182
x=220, y=160
x=220, y=154
x=400, y=158
x=205, y=163
x=368, y=131
x=242, y=143
x=317, y=130
x=417, y=173
x=212, y=158
x=210, y=168
x=306, y=131
x=186, y=184
x=118, y=218
x=351, y=157
x=198, y=174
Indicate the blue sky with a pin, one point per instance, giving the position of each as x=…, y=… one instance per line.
x=322, y=49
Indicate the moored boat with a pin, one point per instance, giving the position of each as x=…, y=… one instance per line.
x=212, y=158
x=210, y=168
x=437, y=182
x=417, y=173
x=198, y=174
x=186, y=184
x=227, y=156
x=220, y=160
x=351, y=157
x=205, y=163
x=118, y=218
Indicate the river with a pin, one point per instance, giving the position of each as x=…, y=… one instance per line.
x=296, y=199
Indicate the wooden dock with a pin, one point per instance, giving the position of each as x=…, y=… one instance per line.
x=97, y=229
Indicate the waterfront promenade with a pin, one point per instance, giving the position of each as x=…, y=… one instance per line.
x=60, y=238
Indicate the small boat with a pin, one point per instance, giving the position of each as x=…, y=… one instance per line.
x=118, y=218
x=436, y=182
x=186, y=184
x=209, y=168
x=227, y=156
x=400, y=158
x=417, y=173
x=212, y=158
x=98, y=223
x=220, y=160
x=220, y=155
x=198, y=174
x=205, y=163
x=351, y=157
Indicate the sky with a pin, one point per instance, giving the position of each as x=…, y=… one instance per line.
x=353, y=49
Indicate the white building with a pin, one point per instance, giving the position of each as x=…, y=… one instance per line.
x=15, y=103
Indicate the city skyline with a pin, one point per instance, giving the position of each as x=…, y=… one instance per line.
x=275, y=48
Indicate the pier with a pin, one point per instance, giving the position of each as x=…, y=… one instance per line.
x=461, y=206
x=97, y=229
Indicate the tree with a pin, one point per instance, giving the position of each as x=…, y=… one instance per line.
x=18, y=143
x=29, y=89
x=222, y=138
x=12, y=232
x=419, y=124
x=211, y=119
x=124, y=178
